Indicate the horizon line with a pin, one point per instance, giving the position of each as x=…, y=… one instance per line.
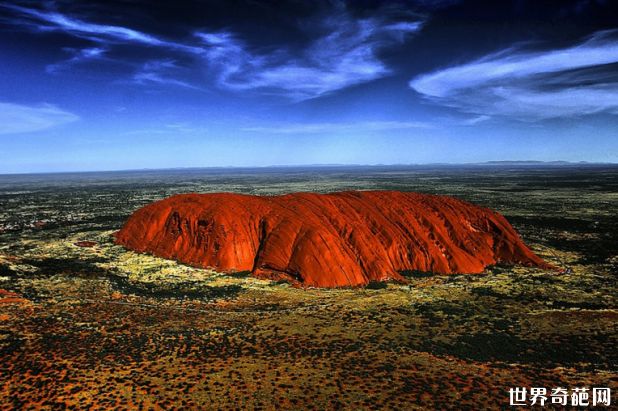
x=328, y=165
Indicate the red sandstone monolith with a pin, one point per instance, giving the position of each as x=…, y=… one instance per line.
x=326, y=240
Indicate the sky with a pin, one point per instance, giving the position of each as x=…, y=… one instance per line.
x=115, y=85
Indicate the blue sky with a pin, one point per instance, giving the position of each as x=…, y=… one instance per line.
x=129, y=85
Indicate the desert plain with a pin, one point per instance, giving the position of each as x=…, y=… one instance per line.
x=87, y=324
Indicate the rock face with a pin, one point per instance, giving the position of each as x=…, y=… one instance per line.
x=326, y=240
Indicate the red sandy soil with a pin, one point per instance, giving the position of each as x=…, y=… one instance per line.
x=11, y=298
x=326, y=240
x=8, y=296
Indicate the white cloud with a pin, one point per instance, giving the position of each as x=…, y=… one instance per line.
x=345, y=54
x=531, y=85
x=160, y=72
x=568, y=102
x=474, y=120
x=79, y=55
x=342, y=51
x=17, y=118
x=54, y=21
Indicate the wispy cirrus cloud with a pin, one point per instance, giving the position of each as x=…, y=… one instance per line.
x=78, y=56
x=345, y=53
x=342, y=51
x=531, y=85
x=359, y=126
x=50, y=20
x=17, y=118
x=160, y=72
x=171, y=129
x=474, y=120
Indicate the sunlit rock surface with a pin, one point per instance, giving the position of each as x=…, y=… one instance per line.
x=326, y=240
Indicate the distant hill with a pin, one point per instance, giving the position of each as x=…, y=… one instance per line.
x=535, y=162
